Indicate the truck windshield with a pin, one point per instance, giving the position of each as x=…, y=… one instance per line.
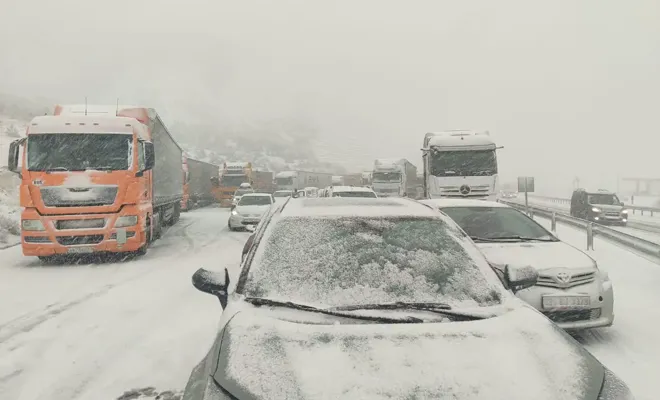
x=463, y=163
x=386, y=177
x=284, y=181
x=233, y=180
x=79, y=152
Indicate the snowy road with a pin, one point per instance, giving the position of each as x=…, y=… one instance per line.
x=630, y=347
x=95, y=331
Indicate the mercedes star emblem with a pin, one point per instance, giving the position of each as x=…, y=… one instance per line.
x=465, y=190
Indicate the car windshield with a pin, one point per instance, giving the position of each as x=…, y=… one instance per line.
x=79, y=152
x=255, y=201
x=463, y=163
x=283, y=194
x=342, y=261
x=604, y=199
x=494, y=222
x=354, y=194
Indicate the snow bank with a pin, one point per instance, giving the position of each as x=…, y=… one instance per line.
x=10, y=212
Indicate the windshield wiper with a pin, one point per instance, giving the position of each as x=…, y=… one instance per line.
x=260, y=301
x=508, y=238
x=48, y=170
x=438, y=308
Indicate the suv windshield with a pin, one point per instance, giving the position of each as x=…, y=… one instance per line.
x=342, y=261
x=255, y=201
x=604, y=199
x=494, y=222
x=354, y=194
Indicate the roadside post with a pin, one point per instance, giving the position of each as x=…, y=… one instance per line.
x=590, y=236
x=526, y=185
x=553, y=222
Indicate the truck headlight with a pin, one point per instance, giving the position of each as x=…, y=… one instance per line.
x=32, y=225
x=614, y=388
x=126, y=220
x=595, y=209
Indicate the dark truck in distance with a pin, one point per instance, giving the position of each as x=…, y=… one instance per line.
x=198, y=183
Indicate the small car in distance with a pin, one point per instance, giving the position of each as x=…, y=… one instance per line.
x=249, y=210
x=279, y=195
x=240, y=192
x=353, y=298
x=571, y=290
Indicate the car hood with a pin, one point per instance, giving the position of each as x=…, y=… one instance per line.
x=518, y=355
x=539, y=255
x=252, y=210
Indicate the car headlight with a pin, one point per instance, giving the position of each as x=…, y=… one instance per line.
x=234, y=212
x=595, y=209
x=32, y=225
x=614, y=388
x=126, y=220
x=624, y=212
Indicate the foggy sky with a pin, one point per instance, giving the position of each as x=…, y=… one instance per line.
x=569, y=88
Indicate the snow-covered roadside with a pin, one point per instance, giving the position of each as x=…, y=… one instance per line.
x=630, y=347
x=98, y=331
x=10, y=216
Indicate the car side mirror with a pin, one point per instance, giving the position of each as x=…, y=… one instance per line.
x=215, y=283
x=12, y=157
x=149, y=156
x=519, y=278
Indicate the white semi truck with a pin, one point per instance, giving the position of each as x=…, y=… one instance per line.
x=460, y=163
x=394, y=178
x=299, y=180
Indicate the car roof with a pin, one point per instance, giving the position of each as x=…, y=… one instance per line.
x=356, y=207
x=350, y=189
x=443, y=203
x=256, y=194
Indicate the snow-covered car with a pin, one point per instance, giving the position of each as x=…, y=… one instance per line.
x=249, y=210
x=239, y=193
x=571, y=290
x=382, y=299
x=280, y=195
x=351, y=191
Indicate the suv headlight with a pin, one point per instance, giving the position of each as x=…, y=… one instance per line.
x=32, y=225
x=595, y=209
x=126, y=220
x=614, y=388
x=624, y=211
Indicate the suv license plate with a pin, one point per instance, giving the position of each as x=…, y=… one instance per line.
x=566, y=302
x=80, y=250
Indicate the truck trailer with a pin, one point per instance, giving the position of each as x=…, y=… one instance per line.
x=394, y=178
x=299, y=180
x=96, y=179
x=198, y=183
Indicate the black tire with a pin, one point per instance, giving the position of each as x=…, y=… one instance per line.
x=147, y=231
x=176, y=214
x=49, y=259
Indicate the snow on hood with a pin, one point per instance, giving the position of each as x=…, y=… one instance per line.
x=79, y=179
x=539, y=255
x=519, y=355
x=252, y=209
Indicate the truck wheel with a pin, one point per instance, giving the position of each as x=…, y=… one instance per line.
x=158, y=225
x=176, y=214
x=49, y=259
x=147, y=232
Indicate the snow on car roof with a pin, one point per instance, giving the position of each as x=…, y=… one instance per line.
x=357, y=207
x=442, y=203
x=351, y=189
x=517, y=356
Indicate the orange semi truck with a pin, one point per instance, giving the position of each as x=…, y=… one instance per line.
x=231, y=177
x=198, y=178
x=96, y=179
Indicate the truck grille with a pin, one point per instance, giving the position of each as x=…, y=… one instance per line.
x=573, y=315
x=75, y=240
x=79, y=223
x=60, y=196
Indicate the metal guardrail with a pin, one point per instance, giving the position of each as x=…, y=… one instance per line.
x=635, y=243
x=653, y=211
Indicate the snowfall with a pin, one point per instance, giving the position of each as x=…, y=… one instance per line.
x=103, y=330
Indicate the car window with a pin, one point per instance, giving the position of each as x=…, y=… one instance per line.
x=255, y=201
x=604, y=199
x=339, y=261
x=493, y=222
x=354, y=194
